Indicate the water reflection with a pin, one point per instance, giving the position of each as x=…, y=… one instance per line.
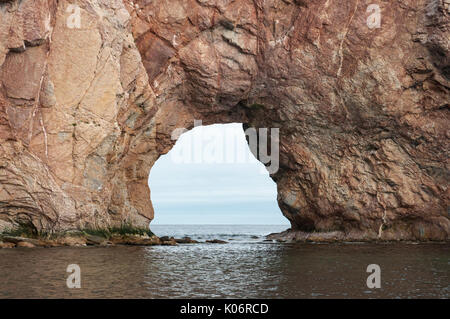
x=235, y=270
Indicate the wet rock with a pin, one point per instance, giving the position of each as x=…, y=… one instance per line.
x=185, y=240
x=217, y=241
x=25, y=244
x=135, y=240
x=73, y=241
x=16, y=240
x=7, y=245
x=170, y=242
x=107, y=243
x=95, y=240
x=52, y=243
x=290, y=236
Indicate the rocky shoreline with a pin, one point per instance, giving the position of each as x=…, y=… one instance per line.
x=81, y=240
x=298, y=236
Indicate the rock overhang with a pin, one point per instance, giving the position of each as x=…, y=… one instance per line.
x=362, y=112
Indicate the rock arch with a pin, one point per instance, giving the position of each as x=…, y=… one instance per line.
x=363, y=113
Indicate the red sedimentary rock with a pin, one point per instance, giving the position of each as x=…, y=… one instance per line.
x=359, y=90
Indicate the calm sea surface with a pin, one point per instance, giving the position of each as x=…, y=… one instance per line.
x=246, y=267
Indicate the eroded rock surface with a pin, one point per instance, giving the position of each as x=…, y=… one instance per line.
x=363, y=112
x=68, y=154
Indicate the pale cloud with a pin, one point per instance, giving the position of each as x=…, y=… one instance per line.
x=217, y=187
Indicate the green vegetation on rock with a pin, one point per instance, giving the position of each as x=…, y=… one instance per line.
x=27, y=231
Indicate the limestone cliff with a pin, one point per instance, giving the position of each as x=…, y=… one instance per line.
x=92, y=89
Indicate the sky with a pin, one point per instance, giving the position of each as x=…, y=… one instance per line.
x=211, y=177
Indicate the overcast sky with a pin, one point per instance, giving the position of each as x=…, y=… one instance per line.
x=210, y=177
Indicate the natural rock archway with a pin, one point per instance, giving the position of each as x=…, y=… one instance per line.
x=88, y=105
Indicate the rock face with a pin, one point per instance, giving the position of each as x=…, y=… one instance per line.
x=91, y=93
x=76, y=110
